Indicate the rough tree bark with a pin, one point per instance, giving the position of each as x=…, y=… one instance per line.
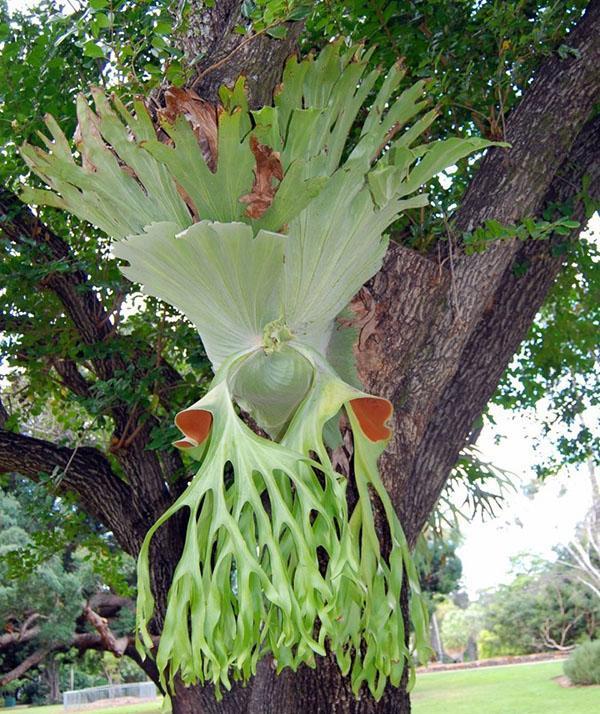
x=436, y=334
x=220, y=55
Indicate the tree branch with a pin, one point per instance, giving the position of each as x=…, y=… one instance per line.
x=66, y=369
x=109, y=605
x=72, y=288
x=18, y=637
x=80, y=302
x=84, y=471
x=141, y=466
x=511, y=309
x=81, y=641
x=116, y=645
x=103, y=639
x=71, y=377
x=33, y=660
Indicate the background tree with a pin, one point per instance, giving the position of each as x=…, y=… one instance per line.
x=440, y=568
x=583, y=552
x=459, y=290
x=55, y=604
x=460, y=627
x=544, y=608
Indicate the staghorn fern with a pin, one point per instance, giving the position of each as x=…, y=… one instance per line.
x=255, y=226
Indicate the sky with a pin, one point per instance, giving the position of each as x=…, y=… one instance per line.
x=20, y=4
x=526, y=524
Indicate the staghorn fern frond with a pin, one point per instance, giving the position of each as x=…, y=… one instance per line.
x=260, y=227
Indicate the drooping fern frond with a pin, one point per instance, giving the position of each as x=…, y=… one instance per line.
x=260, y=226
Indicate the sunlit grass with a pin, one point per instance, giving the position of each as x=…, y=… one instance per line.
x=142, y=708
x=516, y=689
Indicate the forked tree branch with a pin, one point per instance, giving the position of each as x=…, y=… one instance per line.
x=116, y=645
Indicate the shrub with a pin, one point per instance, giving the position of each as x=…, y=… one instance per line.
x=583, y=666
x=489, y=644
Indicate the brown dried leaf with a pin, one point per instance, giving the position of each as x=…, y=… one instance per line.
x=202, y=115
x=268, y=167
x=188, y=202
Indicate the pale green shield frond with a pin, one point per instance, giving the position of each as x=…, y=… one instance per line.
x=340, y=347
x=333, y=248
x=222, y=278
x=330, y=254
x=270, y=386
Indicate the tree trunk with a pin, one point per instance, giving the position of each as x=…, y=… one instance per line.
x=52, y=677
x=323, y=690
x=201, y=700
x=220, y=56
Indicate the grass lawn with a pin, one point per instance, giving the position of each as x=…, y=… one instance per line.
x=516, y=689
x=145, y=708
